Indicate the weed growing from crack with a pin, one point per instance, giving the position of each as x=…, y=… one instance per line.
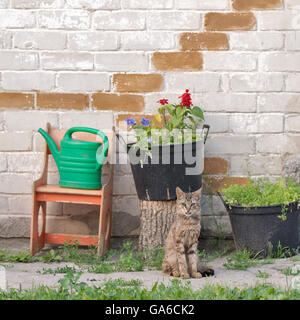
x=241, y=260
x=262, y=274
x=291, y=271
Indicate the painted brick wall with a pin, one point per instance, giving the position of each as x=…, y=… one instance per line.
x=94, y=62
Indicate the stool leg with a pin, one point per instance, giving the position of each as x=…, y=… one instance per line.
x=43, y=229
x=37, y=241
x=34, y=228
x=101, y=233
x=108, y=229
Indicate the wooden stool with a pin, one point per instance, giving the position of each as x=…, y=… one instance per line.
x=43, y=193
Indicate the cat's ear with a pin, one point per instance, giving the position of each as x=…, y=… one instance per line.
x=197, y=194
x=179, y=193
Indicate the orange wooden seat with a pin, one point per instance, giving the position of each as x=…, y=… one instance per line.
x=51, y=192
x=43, y=193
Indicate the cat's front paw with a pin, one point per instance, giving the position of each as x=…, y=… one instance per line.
x=176, y=274
x=185, y=276
x=196, y=275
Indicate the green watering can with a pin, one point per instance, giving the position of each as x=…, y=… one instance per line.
x=79, y=162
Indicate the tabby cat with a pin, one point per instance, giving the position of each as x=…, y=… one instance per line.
x=181, y=258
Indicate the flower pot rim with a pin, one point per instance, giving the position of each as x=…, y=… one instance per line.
x=279, y=205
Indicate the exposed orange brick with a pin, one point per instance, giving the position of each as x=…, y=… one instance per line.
x=138, y=82
x=217, y=21
x=203, y=41
x=118, y=102
x=177, y=60
x=215, y=166
x=213, y=184
x=256, y=4
x=14, y=100
x=62, y=101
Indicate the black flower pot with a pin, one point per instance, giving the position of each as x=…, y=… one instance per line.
x=157, y=177
x=259, y=229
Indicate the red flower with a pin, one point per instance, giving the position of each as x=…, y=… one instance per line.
x=163, y=101
x=186, y=100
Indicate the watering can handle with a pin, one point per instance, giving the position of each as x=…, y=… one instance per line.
x=100, y=156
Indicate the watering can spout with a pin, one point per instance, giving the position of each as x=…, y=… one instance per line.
x=51, y=144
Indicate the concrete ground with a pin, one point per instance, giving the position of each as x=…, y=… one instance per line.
x=27, y=275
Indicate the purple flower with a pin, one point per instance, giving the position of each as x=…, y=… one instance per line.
x=130, y=121
x=145, y=122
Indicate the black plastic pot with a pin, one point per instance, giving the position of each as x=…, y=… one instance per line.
x=156, y=180
x=259, y=229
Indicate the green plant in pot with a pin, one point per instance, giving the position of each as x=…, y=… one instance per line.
x=264, y=215
x=169, y=151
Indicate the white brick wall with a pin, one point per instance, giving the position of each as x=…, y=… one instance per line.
x=199, y=82
x=93, y=41
x=27, y=81
x=4, y=4
x=293, y=123
x=121, y=62
x=279, y=102
x=293, y=82
x=250, y=93
x=147, y=41
x=102, y=120
x=280, y=62
x=67, y=61
x=5, y=40
x=124, y=20
x=18, y=60
x=256, y=41
x=15, y=141
x=293, y=40
x=16, y=121
x=34, y=4
x=3, y=162
x=257, y=82
x=228, y=144
x=93, y=4
x=219, y=61
x=174, y=20
x=202, y=5
x=13, y=19
x=40, y=40
x=83, y=81
x=278, y=20
x=64, y=19
x=147, y=4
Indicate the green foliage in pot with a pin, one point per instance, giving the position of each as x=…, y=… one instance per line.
x=176, y=123
x=263, y=192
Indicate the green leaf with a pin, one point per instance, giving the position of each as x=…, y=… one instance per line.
x=193, y=121
x=170, y=110
x=180, y=112
x=161, y=110
x=197, y=112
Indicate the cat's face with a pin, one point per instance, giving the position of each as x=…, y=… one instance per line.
x=188, y=204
